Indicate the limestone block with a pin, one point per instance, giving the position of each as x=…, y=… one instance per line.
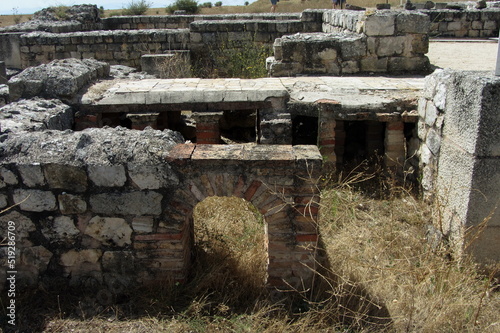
x=431, y=114
x=485, y=247
x=71, y=204
x=352, y=47
x=60, y=230
x=109, y=230
x=422, y=106
x=31, y=174
x=107, y=175
x=381, y=24
x=408, y=64
x=143, y=224
x=374, y=64
x=81, y=263
x=490, y=25
x=37, y=257
x=65, y=177
x=23, y=226
x=391, y=46
x=128, y=203
x=471, y=116
x=350, y=67
x=151, y=177
x=118, y=262
x=7, y=177
x=3, y=201
x=35, y=200
x=417, y=44
x=433, y=141
x=410, y=22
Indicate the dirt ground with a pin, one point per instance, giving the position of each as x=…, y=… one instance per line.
x=478, y=55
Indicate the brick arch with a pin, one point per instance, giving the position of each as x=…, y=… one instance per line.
x=278, y=180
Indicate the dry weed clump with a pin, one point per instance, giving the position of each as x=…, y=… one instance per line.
x=380, y=247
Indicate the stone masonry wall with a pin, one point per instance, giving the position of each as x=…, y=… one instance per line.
x=356, y=42
x=464, y=23
x=113, y=207
x=183, y=21
x=459, y=157
x=115, y=47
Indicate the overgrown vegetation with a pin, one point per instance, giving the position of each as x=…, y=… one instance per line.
x=238, y=59
x=190, y=6
x=139, y=7
x=377, y=274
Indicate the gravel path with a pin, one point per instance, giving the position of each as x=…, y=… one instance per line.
x=466, y=55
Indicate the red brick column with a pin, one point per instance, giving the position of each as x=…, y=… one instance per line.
x=374, y=135
x=207, y=127
x=394, y=144
x=87, y=121
x=142, y=120
x=339, y=141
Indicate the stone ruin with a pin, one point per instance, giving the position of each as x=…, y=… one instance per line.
x=100, y=165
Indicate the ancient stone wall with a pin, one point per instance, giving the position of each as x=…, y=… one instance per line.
x=356, y=42
x=464, y=23
x=115, y=47
x=459, y=157
x=183, y=21
x=113, y=207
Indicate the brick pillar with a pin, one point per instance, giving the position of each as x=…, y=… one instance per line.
x=394, y=144
x=339, y=141
x=326, y=136
x=207, y=127
x=142, y=120
x=374, y=135
x=83, y=121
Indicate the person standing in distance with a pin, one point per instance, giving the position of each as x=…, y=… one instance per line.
x=274, y=3
x=340, y=3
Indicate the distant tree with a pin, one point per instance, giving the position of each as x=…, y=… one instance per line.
x=247, y=3
x=218, y=4
x=190, y=6
x=206, y=5
x=137, y=7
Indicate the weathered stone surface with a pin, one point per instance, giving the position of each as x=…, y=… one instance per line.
x=3, y=201
x=104, y=146
x=23, y=227
x=61, y=79
x=7, y=177
x=80, y=13
x=118, y=262
x=35, y=200
x=107, y=175
x=37, y=257
x=31, y=174
x=71, y=204
x=65, y=177
x=82, y=265
x=152, y=177
x=4, y=94
x=35, y=114
x=60, y=230
x=109, y=230
x=412, y=23
x=128, y=203
x=381, y=24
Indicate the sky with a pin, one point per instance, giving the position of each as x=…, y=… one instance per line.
x=9, y=7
